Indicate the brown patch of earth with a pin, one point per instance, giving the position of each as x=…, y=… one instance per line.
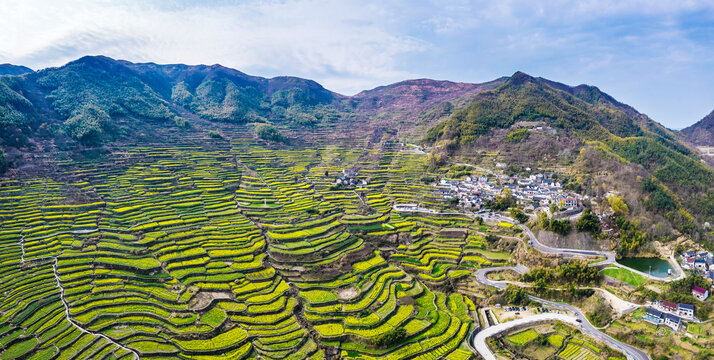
x=204, y=298
x=347, y=293
x=406, y=300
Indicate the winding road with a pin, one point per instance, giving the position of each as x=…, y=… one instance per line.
x=534, y=243
x=620, y=305
x=579, y=320
x=479, y=340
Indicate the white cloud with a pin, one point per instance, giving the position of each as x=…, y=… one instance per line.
x=638, y=48
x=306, y=38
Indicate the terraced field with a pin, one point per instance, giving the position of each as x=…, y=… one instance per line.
x=236, y=252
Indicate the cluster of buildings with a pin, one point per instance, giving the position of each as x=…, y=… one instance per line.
x=702, y=263
x=348, y=177
x=669, y=314
x=537, y=190
x=672, y=315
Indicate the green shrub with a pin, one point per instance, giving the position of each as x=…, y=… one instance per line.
x=519, y=215
x=631, y=238
x=515, y=295
x=561, y=227
x=88, y=126
x=181, y=122
x=588, y=222
x=517, y=135
x=600, y=314
x=390, y=338
x=4, y=163
x=269, y=132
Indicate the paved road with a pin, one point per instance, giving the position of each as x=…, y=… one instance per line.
x=631, y=352
x=533, y=241
x=479, y=341
x=609, y=255
x=584, y=325
x=482, y=275
x=622, y=306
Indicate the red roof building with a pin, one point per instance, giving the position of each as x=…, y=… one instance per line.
x=700, y=293
x=669, y=306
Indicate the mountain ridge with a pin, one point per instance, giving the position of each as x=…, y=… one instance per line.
x=149, y=92
x=702, y=132
x=10, y=69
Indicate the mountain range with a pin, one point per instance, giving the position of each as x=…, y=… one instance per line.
x=598, y=143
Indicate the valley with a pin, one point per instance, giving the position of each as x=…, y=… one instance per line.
x=196, y=212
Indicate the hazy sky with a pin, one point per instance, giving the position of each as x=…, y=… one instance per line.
x=656, y=55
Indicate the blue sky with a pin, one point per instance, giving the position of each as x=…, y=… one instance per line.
x=655, y=55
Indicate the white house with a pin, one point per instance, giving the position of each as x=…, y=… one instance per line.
x=700, y=264
x=570, y=202
x=673, y=321
x=685, y=310
x=699, y=293
x=668, y=306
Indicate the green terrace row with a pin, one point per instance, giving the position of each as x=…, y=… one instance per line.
x=240, y=253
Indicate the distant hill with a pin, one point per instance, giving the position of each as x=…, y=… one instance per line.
x=10, y=69
x=702, y=132
x=411, y=106
x=97, y=100
x=532, y=121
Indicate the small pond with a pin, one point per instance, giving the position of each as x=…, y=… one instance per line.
x=653, y=266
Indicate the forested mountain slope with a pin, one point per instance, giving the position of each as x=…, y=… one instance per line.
x=10, y=69
x=702, y=132
x=552, y=124
x=97, y=101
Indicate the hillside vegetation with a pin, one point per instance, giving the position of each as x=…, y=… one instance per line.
x=701, y=133
x=98, y=100
x=590, y=118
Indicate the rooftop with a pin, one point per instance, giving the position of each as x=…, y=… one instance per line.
x=674, y=318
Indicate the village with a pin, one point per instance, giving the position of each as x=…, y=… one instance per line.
x=537, y=192
x=702, y=263
x=533, y=192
